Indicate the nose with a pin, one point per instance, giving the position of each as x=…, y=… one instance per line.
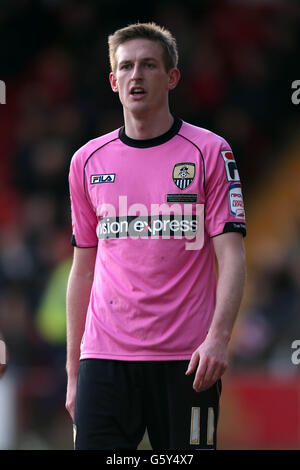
x=136, y=71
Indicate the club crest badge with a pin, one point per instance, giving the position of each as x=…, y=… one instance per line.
x=183, y=174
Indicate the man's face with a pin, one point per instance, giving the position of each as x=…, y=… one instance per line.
x=141, y=78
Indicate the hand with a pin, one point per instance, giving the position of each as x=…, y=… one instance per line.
x=211, y=358
x=71, y=395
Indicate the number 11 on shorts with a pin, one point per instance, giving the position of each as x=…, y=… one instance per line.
x=195, y=426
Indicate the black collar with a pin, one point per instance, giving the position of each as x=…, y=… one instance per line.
x=161, y=139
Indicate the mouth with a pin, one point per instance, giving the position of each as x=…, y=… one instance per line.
x=137, y=92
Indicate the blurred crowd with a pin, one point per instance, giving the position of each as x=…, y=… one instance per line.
x=237, y=60
x=271, y=321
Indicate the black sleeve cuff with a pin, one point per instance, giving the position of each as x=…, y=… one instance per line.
x=74, y=243
x=73, y=240
x=235, y=227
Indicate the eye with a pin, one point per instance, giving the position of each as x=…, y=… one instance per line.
x=125, y=67
x=149, y=65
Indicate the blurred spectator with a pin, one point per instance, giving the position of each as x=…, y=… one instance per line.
x=271, y=322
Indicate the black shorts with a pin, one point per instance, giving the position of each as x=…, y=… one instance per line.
x=117, y=401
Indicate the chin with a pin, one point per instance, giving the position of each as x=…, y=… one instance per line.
x=139, y=108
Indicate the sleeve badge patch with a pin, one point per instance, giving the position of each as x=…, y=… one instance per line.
x=236, y=203
x=230, y=166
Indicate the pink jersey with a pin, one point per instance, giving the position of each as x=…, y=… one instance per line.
x=152, y=207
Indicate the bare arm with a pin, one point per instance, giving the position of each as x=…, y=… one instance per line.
x=78, y=296
x=211, y=355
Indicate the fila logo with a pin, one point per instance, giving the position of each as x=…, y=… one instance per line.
x=107, y=178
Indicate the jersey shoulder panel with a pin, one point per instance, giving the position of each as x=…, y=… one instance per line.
x=81, y=156
x=202, y=137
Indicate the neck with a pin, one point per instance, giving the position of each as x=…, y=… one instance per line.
x=147, y=127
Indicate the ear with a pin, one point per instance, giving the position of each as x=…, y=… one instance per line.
x=174, y=77
x=113, y=82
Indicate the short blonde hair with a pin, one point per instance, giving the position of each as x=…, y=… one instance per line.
x=150, y=31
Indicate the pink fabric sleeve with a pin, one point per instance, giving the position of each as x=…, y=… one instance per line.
x=84, y=220
x=224, y=210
